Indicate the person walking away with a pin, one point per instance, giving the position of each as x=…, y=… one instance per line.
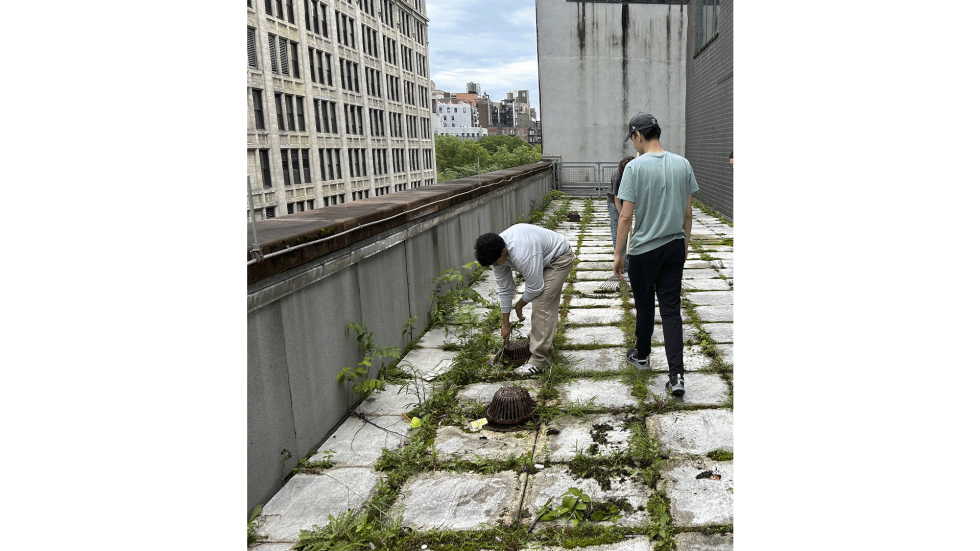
x=615, y=204
x=545, y=259
x=656, y=189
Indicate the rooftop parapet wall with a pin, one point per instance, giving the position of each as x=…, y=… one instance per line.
x=376, y=268
x=293, y=240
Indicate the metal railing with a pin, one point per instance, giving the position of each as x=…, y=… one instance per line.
x=583, y=179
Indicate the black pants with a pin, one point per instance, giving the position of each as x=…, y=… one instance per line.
x=659, y=272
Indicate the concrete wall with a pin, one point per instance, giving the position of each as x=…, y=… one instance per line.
x=601, y=63
x=296, y=328
x=710, y=122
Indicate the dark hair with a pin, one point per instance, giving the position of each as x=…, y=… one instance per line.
x=489, y=247
x=623, y=163
x=731, y=154
x=651, y=133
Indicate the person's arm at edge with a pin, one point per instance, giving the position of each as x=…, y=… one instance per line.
x=688, y=222
x=619, y=207
x=622, y=234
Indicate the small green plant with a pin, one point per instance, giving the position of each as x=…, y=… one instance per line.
x=721, y=455
x=322, y=462
x=348, y=532
x=577, y=506
x=365, y=340
x=253, y=523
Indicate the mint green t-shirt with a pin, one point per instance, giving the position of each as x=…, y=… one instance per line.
x=658, y=184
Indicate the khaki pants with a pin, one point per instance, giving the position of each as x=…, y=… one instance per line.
x=544, y=313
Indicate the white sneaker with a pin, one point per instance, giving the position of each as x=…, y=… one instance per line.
x=527, y=370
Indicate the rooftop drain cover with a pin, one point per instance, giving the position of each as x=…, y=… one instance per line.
x=574, y=217
x=511, y=405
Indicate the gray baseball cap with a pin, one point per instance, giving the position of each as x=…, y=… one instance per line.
x=640, y=121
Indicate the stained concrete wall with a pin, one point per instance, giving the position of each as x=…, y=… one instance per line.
x=601, y=63
x=297, y=342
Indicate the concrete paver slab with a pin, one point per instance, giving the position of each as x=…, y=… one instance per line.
x=595, y=250
x=607, y=394
x=309, y=499
x=699, y=501
x=595, y=335
x=597, y=265
x=393, y=400
x=697, y=264
x=697, y=432
x=358, y=442
x=579, y=302
x=705, y=285
x=593, y=275
x=596, y=257
x=429, y=362
x=576, y=434
x=458, y=501
x=272, y=547
x=716, y=313
x=600, y=359
x=630, y=543
x=486, y=444
x=728, y=272
x=723, y=333
x=435, y=337
x=694, y=541
x=712, y=298
x=552, y=482
x=701, y=389
x=706, y=273
x=594, y=316
x=727, y=352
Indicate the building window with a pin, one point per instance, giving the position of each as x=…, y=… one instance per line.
x=294, y=156
x=289, y=11
x=257, y=108
x=294, y=59
x=290, y=121
x=284, y=154
x=279, y=119
x=270, y=212
x=306, y=166
x=705, y=22
x=300, y=118
x=266, y=171
x=253, y=58
x=272, y=53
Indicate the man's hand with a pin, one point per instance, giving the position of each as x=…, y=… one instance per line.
x=519, y=309
x=619, y=265
x=505, y=328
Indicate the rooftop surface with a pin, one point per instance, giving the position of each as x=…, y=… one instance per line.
x=662, y=466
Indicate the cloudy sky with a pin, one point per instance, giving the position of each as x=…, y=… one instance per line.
x=490, y=43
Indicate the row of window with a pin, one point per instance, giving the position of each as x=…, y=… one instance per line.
x=285, y=60
x=316, y=20
x=369, y=37
x=296, y=164
x=291, y=117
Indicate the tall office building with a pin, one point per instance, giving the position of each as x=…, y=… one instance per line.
x=338, y=102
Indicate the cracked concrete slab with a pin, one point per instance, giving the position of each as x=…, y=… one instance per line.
x=698, y=432
x=429, y=362
x=309, y=499
x=458, y=501
x=358, y=442
x=699, y=501
x=486, y=444
x=394, y=400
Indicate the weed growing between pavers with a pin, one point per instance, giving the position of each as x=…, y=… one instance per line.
x=661, y=525
x=641, y=459
x=720, y=455
x=712, y=212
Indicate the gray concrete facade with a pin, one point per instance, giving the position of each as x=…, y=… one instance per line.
x=297, y=343
x=599, y=64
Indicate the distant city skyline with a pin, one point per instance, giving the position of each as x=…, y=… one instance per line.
x=491, y=43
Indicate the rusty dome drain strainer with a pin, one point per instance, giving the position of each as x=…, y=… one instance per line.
x=517, y=352
x=510, y=405
x=574, y=217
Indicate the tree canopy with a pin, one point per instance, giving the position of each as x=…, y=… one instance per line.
x=456, y=158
